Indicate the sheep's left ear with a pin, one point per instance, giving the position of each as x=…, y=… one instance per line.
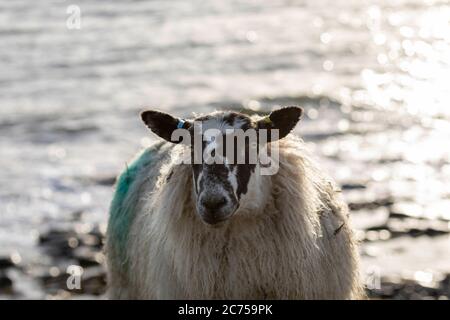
x=163, y=124
x=283, y=119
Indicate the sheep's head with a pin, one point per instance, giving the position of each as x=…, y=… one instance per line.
x=225, y=153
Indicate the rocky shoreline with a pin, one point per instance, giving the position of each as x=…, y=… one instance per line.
x=82, y=245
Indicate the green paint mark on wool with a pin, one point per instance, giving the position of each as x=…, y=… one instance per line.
x=122, y=208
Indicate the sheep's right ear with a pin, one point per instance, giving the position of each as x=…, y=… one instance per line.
x=163, y=124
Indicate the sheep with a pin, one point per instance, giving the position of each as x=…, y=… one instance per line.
x=224, y=231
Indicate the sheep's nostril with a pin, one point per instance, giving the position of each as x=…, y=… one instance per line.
x=214, y=204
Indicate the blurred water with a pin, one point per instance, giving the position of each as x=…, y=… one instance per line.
x=373, y=76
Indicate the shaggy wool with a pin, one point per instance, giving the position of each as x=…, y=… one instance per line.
x=297, y=245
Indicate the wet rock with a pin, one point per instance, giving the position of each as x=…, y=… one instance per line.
x=427, y=232
x=11, y=261
x=6, y=284
x=407, y=289
x=5, y=263
x=352, y=186
x=77, y=215
x=80, y=247
x=54, y=277
x=105, y=180
x=445, y=286
x=395, y=228
x=94, y=281
x=418, y=227
x=87, y=257
x=55, y=236
x=383, y=202
x=74, y=127
x=59, y=243
x=392, y=159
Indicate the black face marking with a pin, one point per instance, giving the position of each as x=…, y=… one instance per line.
x=234, y=118
x=196, y=169
x=243, y=174
x=220, y=173
x=216, y=174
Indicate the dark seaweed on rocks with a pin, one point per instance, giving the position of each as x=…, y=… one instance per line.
x=81, y=249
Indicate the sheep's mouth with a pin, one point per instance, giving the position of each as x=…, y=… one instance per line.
x=216, y=224
x=216, y=220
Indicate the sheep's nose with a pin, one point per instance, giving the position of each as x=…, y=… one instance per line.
x=214, y=203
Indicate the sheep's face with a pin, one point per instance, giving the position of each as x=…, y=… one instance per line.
x=225, y=149
x=220, y=179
